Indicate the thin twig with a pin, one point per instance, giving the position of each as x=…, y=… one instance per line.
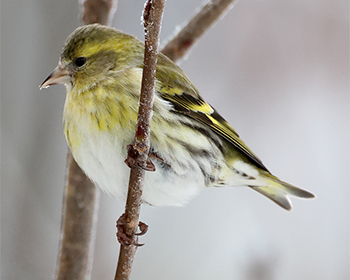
x=179, y=45
x=152, y=20
x=81, y=197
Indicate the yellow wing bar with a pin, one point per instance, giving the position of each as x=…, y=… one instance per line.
x=199, y=110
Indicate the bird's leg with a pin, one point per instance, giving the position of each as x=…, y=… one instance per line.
x=125, y=239
x=157, y=157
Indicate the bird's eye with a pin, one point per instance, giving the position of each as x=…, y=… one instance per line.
x=80, y=61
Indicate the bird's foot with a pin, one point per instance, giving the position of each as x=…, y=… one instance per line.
x=132, y=158
x=125, y=239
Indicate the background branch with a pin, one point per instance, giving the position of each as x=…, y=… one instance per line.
x=179, y=45
x=78, y=225
x=98, y=11
x=152, y=17
x=81, y=197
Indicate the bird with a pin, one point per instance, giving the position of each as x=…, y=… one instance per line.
x=192, y=147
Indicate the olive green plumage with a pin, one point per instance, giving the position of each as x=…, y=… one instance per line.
x=192, y=146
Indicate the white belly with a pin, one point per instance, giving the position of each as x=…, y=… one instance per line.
x=102, y=159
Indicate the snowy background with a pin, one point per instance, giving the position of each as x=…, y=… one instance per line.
x=277, y=70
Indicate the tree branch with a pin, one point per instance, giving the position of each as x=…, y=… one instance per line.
x=81, y=197
x=179, y=45
x=152, y=21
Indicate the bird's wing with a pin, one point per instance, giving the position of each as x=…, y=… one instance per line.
x=175, y=87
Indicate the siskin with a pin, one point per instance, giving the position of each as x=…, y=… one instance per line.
x=192, y=146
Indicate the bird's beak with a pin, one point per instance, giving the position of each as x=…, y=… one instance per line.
x=59, y=76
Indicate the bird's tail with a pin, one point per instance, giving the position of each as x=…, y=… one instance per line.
x=278, y=191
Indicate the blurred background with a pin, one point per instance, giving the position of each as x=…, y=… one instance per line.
x=277, y=70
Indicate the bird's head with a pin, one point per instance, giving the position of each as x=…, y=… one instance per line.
x=93, y=53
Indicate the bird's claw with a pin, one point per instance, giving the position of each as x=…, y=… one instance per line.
x=125, y=239
x=143, y=229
